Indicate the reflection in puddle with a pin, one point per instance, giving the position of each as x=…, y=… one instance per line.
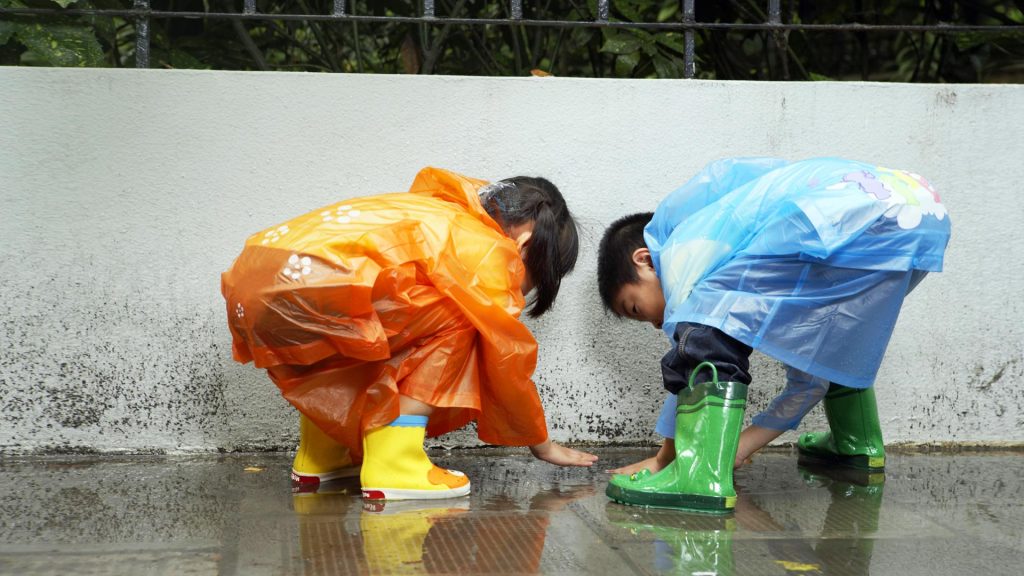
x=934, y=514
x=693, y=543
x=682, y=542
x=341, y=534
x=845, y=545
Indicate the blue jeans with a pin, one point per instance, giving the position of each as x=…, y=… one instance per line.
x=696, y=343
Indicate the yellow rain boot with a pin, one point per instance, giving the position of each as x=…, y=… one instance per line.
x=395, y=536
x=319, y=458
x=396, y=467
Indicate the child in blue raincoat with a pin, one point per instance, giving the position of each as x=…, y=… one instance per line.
x=807, y=262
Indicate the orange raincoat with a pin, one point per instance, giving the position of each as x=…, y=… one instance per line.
x=417, y=294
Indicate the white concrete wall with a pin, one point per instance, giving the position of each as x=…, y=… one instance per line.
x=124, y=194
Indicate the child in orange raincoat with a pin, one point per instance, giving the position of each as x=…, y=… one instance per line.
x=386, y=318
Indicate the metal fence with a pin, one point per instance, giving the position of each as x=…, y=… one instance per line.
x=142, y=13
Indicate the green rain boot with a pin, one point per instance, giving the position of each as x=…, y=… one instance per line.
x=848, y=535
x=855, y=439
x=708, y=421
x=683, y=543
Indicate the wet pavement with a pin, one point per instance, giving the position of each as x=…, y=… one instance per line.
x=235, y=514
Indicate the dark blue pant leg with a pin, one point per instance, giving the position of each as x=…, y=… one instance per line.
x=696, y=343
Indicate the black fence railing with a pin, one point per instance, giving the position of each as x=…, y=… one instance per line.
x=142, y=13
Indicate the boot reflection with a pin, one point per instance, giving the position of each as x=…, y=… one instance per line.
x=794, y=555
x=847, y=541
x=684, y=543
x=499, y=538
x=395, y=533
x=326, y=544
x=341, y=533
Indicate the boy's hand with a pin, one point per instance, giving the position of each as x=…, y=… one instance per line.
x=752, y=439
x=741, y=461
x=666, y=454
x=559, y=455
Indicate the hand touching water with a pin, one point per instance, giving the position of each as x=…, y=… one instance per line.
x=652, y=464
x=663, y=458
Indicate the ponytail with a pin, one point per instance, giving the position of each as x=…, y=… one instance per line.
x=554, y=245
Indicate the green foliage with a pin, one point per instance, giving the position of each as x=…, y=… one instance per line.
x=7, y=30
x=503, y=50
x=59, y=45
x=70, y=42
x=640, y=53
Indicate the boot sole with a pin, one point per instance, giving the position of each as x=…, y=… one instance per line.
x=857, y=462
x=856, y=476
x=407, y=494
x=306, y=478
x=688, y=502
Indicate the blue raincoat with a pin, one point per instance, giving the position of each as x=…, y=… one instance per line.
x=805, y=261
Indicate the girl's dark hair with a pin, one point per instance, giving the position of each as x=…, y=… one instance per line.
x=615, y=266
x=554, y=245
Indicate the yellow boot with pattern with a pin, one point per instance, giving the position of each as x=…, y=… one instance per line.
x=396, y=467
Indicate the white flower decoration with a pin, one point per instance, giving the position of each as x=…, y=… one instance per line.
x=342, y=215
x=239, y=310
x=297, y=267
x=274, y=234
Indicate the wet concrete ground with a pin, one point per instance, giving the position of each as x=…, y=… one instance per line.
x=236, y=514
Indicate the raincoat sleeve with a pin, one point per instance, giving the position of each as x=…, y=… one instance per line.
x=482, y=274
x=478, y=268
x=802, y=392
x=666, y=425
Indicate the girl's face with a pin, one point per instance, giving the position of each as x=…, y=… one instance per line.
x=520, y=234
x=642, y=300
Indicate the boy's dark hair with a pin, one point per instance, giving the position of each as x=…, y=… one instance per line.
x=555, y=243
x=615, y=266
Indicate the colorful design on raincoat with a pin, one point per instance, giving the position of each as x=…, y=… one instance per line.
x=909, y=197
x=416, y=292
x=792, y=258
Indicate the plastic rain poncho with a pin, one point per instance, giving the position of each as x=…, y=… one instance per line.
x=805, y=261
x=415, y=293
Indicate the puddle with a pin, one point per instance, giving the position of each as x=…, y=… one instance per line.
x=929, y=514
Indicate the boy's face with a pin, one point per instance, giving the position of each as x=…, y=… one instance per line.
x=642, y=300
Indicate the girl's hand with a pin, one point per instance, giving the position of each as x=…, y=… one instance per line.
x=559, y=455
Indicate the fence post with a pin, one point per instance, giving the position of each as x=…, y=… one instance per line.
x=781, y=37
x=689, y=66
x=142, y=35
